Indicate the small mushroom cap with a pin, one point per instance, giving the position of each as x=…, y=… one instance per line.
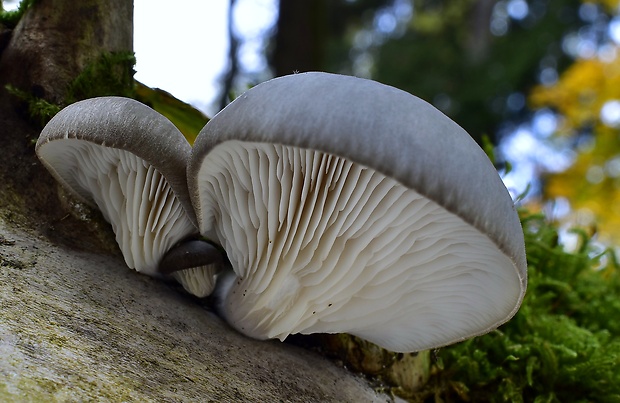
x=346, y=205
x=188, y=254
x=195, y=264
x=200, y=280
x=129, y=161
x=123, y=124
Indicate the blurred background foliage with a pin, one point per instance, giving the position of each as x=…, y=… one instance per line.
x=540, y=78
x=586, y=100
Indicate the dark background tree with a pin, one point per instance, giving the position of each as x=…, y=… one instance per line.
x=299, y=42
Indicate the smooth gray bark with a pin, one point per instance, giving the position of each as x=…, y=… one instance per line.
x=78, y=326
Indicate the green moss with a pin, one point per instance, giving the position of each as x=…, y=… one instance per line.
x=110, y=74
x=563, y=344
x=39, y=110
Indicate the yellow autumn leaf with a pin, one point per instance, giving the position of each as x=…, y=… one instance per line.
x=592, y=183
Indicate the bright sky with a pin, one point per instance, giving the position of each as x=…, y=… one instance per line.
x=181, y=48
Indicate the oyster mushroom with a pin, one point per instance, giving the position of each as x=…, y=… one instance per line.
x=129, y=161
x=345, y=205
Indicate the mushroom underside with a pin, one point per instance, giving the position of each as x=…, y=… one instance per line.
x=199, y=281
x=322, y=244
x=133, y=196
x=194, y=263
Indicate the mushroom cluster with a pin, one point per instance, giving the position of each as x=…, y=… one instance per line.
x=342, y=205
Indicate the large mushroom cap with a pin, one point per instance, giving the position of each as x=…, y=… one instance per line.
x=346, y=205
x=129, y=161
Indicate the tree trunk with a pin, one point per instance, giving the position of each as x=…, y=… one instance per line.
x=479, y=36
x=301, y=26
x=56, y=39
